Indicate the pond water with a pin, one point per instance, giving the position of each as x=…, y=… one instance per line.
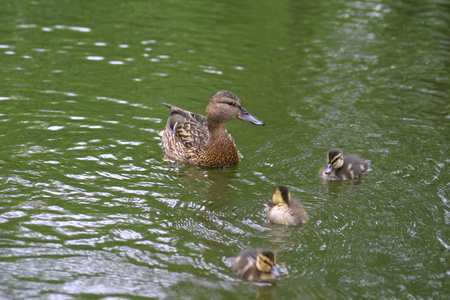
x=88, y=209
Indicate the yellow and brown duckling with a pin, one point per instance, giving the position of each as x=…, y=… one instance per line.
x=256, y=265
x=285, y=210
x=340, y=167
x=203, y=140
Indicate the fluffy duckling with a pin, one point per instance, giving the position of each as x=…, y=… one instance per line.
x=256, y=265
x=203, y=140
x=340, y=167
x=285, y=210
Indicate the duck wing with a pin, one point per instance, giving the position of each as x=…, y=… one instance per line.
x=184, y=134
x=182, y=115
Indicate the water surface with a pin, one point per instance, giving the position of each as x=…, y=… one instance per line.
x=88, y=209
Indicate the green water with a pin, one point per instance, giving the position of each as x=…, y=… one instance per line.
x=89, y=211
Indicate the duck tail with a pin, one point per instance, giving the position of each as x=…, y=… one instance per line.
x=168, y=105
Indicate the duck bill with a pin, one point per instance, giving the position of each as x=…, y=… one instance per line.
x=329, y=168
x=274, y=271
x=246, y=116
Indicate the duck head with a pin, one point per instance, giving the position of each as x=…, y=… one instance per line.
x=335, y=160
x=224, y=106
x=281, y=196
x=266, y=262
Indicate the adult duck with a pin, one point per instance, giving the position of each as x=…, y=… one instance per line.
x=203, y=140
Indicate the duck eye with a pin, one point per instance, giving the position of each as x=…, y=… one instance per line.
x=230, y=103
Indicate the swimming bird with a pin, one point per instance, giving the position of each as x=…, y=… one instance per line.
x=203, y=140
x=256, y=265
x=340, y=167
x=285, y=210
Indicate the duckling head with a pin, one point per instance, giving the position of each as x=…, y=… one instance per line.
x=224, y=106
x=266, y=262
x=335, y=160
x=282, y=196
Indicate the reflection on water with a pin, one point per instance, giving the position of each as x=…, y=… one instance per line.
x=88, y=206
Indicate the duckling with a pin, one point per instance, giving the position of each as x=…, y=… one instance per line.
x=203, y=140
x=340, y=167
x=256, y=265
x=285, y=210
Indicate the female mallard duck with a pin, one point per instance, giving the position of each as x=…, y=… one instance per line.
x=340, y=167
x=285, y=210
x=256, y=265
x=204, y=141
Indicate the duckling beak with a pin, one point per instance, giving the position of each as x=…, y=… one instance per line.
x=274, y=271
x=329, y=168
x=246, y=116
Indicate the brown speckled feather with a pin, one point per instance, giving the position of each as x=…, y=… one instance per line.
x=186, y=135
